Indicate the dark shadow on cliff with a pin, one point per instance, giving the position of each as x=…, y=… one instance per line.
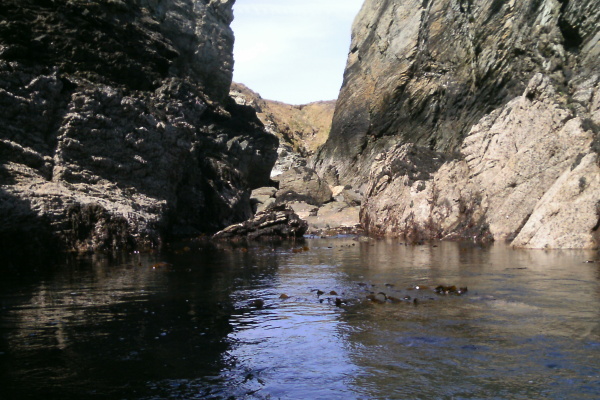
x=26, y=240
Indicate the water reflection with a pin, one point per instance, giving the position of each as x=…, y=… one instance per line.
x=527, y=329
x=186, y=324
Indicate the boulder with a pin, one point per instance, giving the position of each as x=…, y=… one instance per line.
x=275, y=222
x=304, y=210
x=286, y=158
x=336, y=191
x=568, y=215
x=262, y=198
x=351, y=196
x=334, y=217
x=302, y=184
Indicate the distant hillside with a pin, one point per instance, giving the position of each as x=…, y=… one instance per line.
x=304, y=127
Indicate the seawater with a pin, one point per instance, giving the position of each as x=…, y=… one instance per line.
x=210, y=322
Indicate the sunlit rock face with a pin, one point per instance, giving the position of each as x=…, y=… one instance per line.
x=503, y=94
x=116, y=127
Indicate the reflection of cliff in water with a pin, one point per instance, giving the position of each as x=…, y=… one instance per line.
x=184, y=324
x=122, y=327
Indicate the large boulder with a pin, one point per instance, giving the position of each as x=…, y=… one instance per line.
x=302, y=184
x=262, y=198
x=334, y=218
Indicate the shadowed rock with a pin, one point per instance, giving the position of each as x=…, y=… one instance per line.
x=275, y=222
x=302, y=184
x=116, y=128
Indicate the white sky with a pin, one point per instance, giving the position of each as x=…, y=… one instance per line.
x=292, y=50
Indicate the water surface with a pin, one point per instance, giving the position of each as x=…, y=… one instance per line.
x=209, y=322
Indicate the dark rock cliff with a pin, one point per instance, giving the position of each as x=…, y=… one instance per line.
x=502, y=97
x=116, y=128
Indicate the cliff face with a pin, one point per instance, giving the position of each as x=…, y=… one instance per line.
x=425, y=72
x=116, y=128
x=301, y=129
x=497, y=102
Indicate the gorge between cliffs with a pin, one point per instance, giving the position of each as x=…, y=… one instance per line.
x=167, y=233
x=457, y=119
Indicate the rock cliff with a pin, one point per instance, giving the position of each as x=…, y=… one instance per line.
x=116, y=128
x=479, y=119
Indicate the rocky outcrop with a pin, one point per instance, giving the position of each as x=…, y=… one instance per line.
x=313, y=201
x=277, y=222
x=426, y=72
x=116, y=127
x=529, y=174
x=302, y=184
x=472, y=119
x=305, y=127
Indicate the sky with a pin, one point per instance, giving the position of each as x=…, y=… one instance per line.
x=293, y=51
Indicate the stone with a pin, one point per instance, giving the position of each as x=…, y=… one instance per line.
x=568, y=215
x=265, y=191
x=262, y=198
x=351, y=196
x=335, y=217
x=275, y=222
x=302, y=184
x=336, y=191
x=304, y=210
x=287, y=158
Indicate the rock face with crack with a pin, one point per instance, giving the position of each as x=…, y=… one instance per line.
x=473, y=119
x=116, y=128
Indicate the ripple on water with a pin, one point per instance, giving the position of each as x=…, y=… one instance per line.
x=197, y=330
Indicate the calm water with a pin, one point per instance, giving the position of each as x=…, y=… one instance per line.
x=102, y=327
